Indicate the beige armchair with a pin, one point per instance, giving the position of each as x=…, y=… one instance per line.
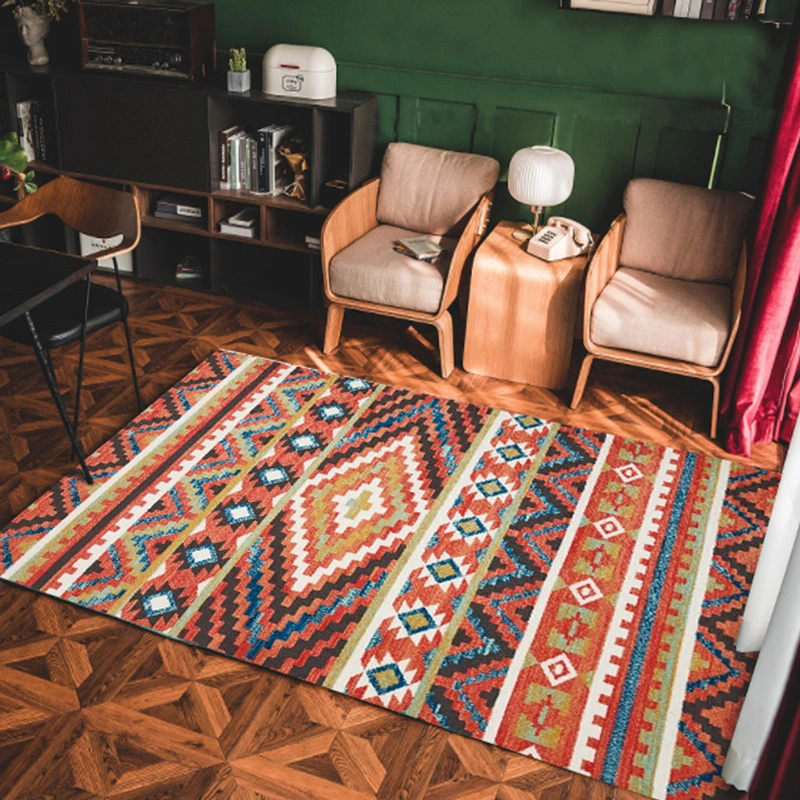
x=444, y=195
x=664, y=289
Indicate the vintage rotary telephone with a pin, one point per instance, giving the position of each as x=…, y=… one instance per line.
x=560, y=238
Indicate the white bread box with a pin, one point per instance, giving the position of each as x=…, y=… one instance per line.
x=294, y=70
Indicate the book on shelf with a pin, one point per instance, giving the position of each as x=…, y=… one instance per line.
x=734, y=7
x=179, y=207
x=246, y=218
x=166, y=215
x=225, y=155
x=695, y=8
x=243, y=223
x=707, y=9
x=252, y=162
x=189, y=268
x=419, y=247
x=31, y=130
x=237, y=230
x=312, y=241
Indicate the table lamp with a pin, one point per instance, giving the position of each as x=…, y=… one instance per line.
x=539, y=176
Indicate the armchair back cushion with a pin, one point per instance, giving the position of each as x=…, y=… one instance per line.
x=432, y=191
x=683, y=232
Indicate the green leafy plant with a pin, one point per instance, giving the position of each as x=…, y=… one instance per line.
x=52, y=9
x=14, y=163
x=238, y=60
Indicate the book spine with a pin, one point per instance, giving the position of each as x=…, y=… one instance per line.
x=242, y=162
x=720, y=8
x=668, y=8
x=234, y=163
x=254, y=162
x=224, y=139
x=271, y=162
x=682, y=8
x=707, y=11
x=734, y=6
x=695, y=7
x=747, y=9
x=263, y=184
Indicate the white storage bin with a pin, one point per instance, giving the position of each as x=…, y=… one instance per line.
x=294, y=70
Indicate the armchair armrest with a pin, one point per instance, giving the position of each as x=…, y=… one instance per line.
x=601, y=270
x=467, y=242
x=737, y=298
x=353, y=217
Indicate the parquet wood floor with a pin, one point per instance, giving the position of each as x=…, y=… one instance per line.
x=93, y=708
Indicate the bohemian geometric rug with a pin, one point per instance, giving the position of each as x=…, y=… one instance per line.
x=563, y=593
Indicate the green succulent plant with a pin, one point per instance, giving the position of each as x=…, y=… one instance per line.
x=238, y=60
x=14, y=163
x=52, y=9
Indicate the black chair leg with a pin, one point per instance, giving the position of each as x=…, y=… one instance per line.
x=139, y=404
x=47, y=369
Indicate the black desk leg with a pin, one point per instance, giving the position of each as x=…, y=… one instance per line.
x=80, y=360
x=44, y=363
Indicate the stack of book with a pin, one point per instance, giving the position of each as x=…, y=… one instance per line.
x=243, y=223
x=31, y=130
x=711, y=9
x=179, y=209
x=312, y=241
x=419, y=247
x=189, y=269
x=250, y=161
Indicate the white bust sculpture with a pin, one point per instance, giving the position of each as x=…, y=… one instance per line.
x=33, y=29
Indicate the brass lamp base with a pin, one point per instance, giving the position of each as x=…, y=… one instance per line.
x=524, y=232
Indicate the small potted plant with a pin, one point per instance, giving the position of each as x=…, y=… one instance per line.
x=33, y=18
x=238, y=74
x=14, y=164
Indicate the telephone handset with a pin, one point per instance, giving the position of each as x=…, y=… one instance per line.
x=560, y=238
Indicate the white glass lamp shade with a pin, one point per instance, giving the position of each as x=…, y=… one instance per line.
x=541, y=176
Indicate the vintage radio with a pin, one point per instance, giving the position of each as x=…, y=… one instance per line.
x=174, y=38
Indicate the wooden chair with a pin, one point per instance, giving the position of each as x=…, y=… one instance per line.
x=710, y=226
x=94, y=211
x=445, y=195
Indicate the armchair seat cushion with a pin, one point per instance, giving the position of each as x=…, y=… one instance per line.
x=647, y=313
x=371, y=271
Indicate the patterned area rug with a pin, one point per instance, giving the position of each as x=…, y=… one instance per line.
x=563, y=593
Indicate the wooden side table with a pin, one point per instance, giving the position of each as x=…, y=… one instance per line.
x=522, y=311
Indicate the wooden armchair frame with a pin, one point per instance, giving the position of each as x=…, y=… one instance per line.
x=356, y=216
x=601, y=270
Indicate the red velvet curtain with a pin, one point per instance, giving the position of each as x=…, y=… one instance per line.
x=761, y=397
x=778, y=773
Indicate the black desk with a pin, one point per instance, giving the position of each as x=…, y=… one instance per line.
x=28, y=277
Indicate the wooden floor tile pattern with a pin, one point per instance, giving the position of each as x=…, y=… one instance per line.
x=93, y=708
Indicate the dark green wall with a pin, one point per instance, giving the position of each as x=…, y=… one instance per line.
x=625, y=95
x=527, y=40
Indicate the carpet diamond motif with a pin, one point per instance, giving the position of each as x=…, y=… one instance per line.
x=563, y=593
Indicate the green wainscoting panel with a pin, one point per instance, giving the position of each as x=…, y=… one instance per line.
x=611, y=136
x=684, y=156
x=442, y=123
x=606, y=151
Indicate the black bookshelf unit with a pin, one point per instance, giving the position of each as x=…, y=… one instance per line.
x=155, y=137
